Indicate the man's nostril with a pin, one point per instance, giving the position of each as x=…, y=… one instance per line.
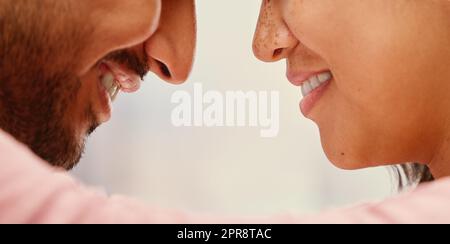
x=164, y=69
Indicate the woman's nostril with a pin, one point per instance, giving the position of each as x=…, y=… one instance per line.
x=277, y=53
x=164, y=69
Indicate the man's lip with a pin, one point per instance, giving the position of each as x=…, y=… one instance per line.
x=104, y=112
x=128, y=80
x=298, y=78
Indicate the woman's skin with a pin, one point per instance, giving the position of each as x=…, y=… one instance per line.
x=389, y=99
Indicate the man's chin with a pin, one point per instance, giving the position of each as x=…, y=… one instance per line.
x=68, y=157
x=70, y=154
x=92, y=128
x=74, y=155
x=62, y=149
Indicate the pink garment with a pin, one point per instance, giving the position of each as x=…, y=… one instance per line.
x=32, y=192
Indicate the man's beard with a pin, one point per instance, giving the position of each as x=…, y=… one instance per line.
x=34, y=110
x=37, y=85
x=40, y=44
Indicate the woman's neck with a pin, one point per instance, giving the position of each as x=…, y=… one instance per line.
x=440, y=163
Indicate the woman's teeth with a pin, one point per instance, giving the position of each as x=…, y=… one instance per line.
x=314, y=82
x=110, y=85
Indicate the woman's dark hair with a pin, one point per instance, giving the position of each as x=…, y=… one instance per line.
x=411, y=174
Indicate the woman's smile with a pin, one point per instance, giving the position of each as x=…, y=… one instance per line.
x=313, y=86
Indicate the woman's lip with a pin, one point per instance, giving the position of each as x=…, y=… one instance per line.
x=297, y=79
x=308, y=102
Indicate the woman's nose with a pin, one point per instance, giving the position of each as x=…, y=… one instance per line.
x=273, y=39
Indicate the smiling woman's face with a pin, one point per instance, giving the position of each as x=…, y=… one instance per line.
x=388, y=99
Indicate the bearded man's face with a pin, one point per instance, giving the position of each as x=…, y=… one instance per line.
x=62, y=63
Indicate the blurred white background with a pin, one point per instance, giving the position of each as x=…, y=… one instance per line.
x=222, y=170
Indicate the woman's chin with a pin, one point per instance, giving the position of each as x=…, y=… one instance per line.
x=351, y=161
x=345, y=163
x=345, y=160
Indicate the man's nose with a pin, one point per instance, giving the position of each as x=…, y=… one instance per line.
x=170, y=50
x=169, y=62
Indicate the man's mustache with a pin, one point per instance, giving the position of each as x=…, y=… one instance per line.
x=131, y=61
